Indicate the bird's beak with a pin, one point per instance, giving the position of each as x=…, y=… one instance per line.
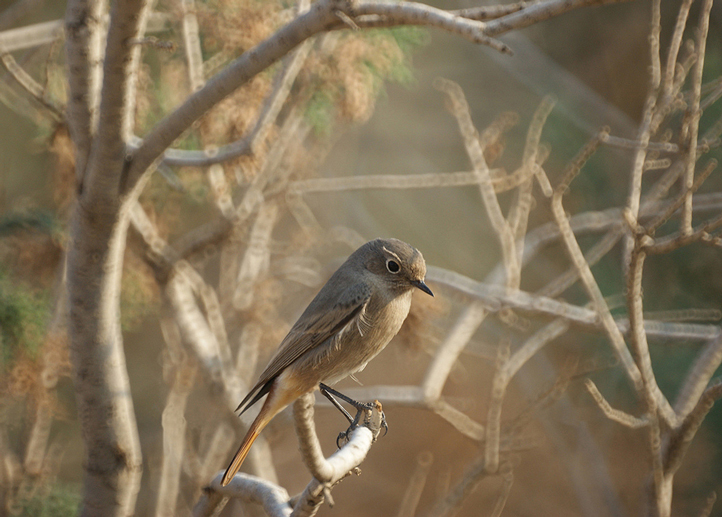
x=421, y=285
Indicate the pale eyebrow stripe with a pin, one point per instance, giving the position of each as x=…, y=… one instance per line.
x=391, y=253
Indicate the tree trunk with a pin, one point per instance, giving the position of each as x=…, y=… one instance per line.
x=105, y=406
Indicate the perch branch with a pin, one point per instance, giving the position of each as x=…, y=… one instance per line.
x=271, y=497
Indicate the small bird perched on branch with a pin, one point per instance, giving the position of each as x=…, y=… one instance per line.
x=352, y=318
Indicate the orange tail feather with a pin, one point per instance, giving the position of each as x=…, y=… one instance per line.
x=277, y=400
x=243, y=450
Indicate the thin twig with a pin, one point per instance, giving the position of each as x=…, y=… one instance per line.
x=694, y=113
x=415, y=486
x=29, y=84
x=474, y=149
x=616, y=415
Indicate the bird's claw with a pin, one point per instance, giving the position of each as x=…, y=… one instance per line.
x=342, y=438
x=366, y=410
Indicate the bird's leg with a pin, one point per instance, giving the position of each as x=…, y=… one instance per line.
x=329, y=393
x=355, y=403
x=361, y=407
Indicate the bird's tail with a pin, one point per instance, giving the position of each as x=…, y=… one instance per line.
x=271, y=407
x=243, y=450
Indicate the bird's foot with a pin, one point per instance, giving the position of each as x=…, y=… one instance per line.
x=369, y=415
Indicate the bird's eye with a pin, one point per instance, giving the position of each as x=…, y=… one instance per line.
x=393, y=266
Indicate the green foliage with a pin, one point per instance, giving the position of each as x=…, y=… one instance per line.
x=350, y=87
x=23, y=316
x=319, y=112
x=39, y=220
x=407, y=40
x=56, y=500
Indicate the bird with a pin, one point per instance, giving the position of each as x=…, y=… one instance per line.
x=351, y=319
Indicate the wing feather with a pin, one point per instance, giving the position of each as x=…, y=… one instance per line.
x=312, y=329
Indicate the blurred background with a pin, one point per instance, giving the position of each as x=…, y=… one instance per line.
x=594, y=61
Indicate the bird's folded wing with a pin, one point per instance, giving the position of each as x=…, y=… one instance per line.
x=310, y=331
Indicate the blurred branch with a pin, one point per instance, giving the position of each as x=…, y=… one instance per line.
x=203, y=330
x=506, y=368
x=174, y=428
x=590, y=284
x=447, y=353
x=694, y=113
x=131, y=86
x=192, y=45
x=616, y=415
x=491, y=12
x=323, y=16
x=698, y=377
x=247, y=145
x=475, y=474
x=386, y=14
x=30, y=86
x=537, y=12
x=44, y=33
x=475, y=151
x=681, y=437
x=17, y=10
x=415, y=486
x=709, y=505
x=257, y=257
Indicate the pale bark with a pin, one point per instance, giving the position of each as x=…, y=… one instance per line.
x=95, y=257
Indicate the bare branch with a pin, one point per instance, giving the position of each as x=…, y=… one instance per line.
x=394, y=181
x=326, y=472
x=309, y=445
x=30, y=85
x=590, y=284
x=676, y=240
x=490, y=12
x=474, y=475
x=677, y=203
x=698, y=377
x=616, y=415
x=174, y=439
x=537, y=12
x=84, y=29
x=247, y=488
x=413, y=13
x=519, y=212
x=505, y=372
x=507, y=476
x=624, y=143
x=667, y=86
x=132, y=83
x=449, y=350
x=474, y=149
x=709, y=505
x=104, y=176
x=682, y=437
x=257, y=257
x=416, y=483
x=694, y=112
